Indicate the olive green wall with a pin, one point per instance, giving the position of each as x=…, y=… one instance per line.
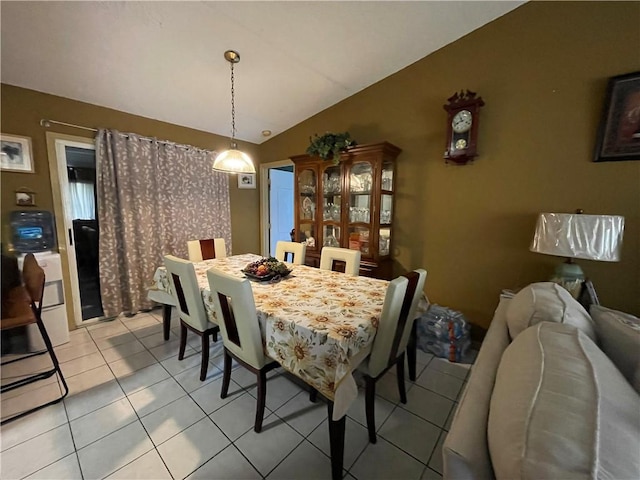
x=542, y=71
x=22, y=110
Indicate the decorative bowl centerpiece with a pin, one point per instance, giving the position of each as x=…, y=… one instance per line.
x=266, y=269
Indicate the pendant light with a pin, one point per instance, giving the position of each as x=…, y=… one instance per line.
x=233, y=160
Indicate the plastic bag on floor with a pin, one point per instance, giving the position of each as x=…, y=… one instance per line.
x=443, y=332
x=442, y=323
x=451, y=350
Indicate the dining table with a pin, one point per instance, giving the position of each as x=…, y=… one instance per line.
x=317, y=324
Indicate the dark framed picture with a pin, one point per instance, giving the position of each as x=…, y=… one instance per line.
x=619, y=132
x=15, y=153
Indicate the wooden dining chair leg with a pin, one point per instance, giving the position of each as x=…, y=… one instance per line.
x=336, y=442
x=226, y=374
x=166, y=320
x=313, y=395
x=370, y=396
x=400, y=375
x=412, y=348
x=205, y=356
x=183, y=340
x=262, y=397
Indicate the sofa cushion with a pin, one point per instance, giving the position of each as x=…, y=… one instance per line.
x=546, y=302
x=619, y=335
x=561, y=409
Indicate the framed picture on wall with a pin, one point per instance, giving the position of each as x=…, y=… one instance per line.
x=25, y=199
x=15, y=153
x=619, y=133
x=246, y=180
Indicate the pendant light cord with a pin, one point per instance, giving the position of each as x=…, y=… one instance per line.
x=233, y=160
x=233, y=109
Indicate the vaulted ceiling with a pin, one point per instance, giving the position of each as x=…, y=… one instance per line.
x=164, y=60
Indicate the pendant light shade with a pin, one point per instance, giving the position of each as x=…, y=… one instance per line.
x=233, y=160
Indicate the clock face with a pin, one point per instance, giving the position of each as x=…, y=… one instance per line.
x=462, y=121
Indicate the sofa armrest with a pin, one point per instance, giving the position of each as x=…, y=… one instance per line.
x=465, y=451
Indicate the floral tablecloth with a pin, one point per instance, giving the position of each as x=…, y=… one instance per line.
x=314, y=322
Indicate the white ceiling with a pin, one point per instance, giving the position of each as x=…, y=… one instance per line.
x=164, y=60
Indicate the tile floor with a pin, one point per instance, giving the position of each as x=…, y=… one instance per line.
x=135, y=411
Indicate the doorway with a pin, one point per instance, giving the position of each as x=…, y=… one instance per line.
x=81, y=174
x=77, y=222
x=277, y=204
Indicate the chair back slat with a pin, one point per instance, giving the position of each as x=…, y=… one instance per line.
x=182, y=302
x=206, y=249
x=229, y=320
x=351, y=258
x=237, y=316
x=33, y=277
x=413, y=308
x=186, y=292
x=297, y=251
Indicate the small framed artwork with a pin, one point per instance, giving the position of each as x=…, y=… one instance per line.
x=15, y=153
x=246, y=180
x=619, y=132
x=26, y=199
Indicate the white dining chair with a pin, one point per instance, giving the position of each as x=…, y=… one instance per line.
x=297, y=251
x=390, y=343
x=188, y=301
x=200, y=250
x=351, y=258
x=235, y=310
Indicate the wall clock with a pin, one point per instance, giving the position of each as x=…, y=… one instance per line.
x=463, y=118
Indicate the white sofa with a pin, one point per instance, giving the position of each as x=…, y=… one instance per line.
x=554, y=393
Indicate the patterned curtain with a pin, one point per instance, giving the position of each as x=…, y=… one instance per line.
x=153, y=197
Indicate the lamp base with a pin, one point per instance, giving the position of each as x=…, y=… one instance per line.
x=570, y=276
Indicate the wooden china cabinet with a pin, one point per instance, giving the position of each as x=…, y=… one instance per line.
x=349, y=205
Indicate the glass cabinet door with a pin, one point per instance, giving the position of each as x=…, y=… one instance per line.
x=361, y=178
x=359, y=239
x=360, y=206
x=384, y=242
x=331, y=236
x=331, y=205
x=386, y=209
x=387, y=176
x=307, y=184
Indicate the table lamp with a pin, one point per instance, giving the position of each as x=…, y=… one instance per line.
x=576, y=235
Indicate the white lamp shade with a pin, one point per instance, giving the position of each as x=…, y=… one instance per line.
x=591, y=237
x=233, y=161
